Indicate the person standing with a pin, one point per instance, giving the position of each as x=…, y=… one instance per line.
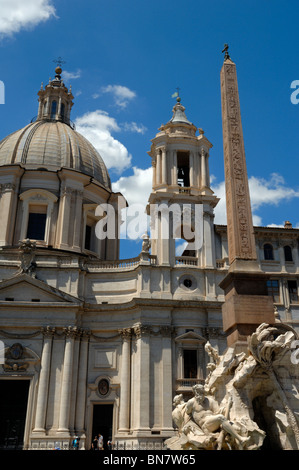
x=94, y=444
x=100, y=442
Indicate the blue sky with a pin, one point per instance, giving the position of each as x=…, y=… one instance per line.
x=124, y=60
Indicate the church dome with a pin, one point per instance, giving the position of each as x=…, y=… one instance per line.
x=51, y=141
x=53, y=145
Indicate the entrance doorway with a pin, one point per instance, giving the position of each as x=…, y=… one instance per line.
x=103, y=422
x=13, y=408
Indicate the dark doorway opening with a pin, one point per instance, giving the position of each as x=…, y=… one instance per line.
x=13, y=408
x=103, y=422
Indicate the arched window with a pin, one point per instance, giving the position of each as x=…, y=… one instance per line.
x=53, y=109
x=268, y=252
x=288, y=253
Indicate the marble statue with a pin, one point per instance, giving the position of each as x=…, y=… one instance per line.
x=249, y=400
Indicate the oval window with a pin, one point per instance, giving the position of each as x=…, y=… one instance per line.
x=103, y=387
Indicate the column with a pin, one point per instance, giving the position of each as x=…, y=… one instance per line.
x=142, y=397
x=64, y=216
x=125, y=381
x=154, y=173
x=167, y=379
x=207, y=170
x=46, y=107
x=281, y=256
x=158, y=167
x=43, y=386
x=208, y=239
x=203, y=169
x=164, y=167
x=7, y=215
x=198, y=173
x=174, y=168
x=78, y=219
x=66, y=384
x=81, y=396
x=59, y=108
x=196, y=169
x=191, y=168
x=40, y=108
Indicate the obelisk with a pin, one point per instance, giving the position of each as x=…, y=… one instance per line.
x=247, y=304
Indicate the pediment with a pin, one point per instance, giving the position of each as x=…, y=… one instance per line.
x=24, y=288
x=189, y=337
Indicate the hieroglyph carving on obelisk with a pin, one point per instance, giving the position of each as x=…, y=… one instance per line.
x=241, y=243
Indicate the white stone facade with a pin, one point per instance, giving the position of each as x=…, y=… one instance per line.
x=87, y=330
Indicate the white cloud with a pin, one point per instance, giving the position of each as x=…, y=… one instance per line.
x=275, y=225
x=70, y=75
x=121, y=94
x=97, y=127
x=134, y=127
x=272, y=191
x=262, y=192
x=16, y=15
x=137, y=187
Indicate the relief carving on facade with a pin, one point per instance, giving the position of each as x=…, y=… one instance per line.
x=19, y=358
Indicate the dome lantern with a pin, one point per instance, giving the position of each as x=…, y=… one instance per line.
x=55, y=100
x=50, y=141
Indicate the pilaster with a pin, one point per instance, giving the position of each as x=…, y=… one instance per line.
x=124, y=414
x=43, y=384
x=66, y=385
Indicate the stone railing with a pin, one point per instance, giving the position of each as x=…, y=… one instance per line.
x=121, y=264
x=183, y=190
x=222, y=264
x=186, y=261
x=187, y=383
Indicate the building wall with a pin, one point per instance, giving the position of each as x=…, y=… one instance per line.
x=128, y=323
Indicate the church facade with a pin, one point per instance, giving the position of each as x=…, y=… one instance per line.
x=94, y=344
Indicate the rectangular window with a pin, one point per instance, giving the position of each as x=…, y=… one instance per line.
x=88, y=232
x=37, y=222
x=293, y=291
x=190, y=363
x=273, y=290
x=183, y=169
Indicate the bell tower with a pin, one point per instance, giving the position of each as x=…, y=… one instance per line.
x=181, y=199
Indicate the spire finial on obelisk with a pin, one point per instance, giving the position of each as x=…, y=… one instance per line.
x=225, y=50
